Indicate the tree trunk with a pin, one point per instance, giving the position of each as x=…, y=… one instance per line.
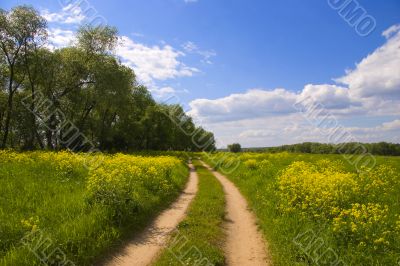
x=8, y=112
x=39, y=140
x=49, y=139
x=34, y=133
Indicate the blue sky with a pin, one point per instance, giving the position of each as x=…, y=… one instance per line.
x=245, y=62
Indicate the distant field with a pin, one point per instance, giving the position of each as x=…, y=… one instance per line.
x=54, y=209
x=317, y=209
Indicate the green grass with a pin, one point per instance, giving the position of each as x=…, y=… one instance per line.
x=260, y=188
x=201, y=228
x=37, y=197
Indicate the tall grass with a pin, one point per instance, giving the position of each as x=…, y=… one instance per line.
x=313, y=208
x=53, y=197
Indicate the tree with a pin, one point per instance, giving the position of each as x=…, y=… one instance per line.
x=68, y=97
x=3, y=96
x=235, y=147
x=98, y=40
x=20, y=29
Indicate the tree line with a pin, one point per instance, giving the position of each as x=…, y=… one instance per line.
x=80, y=96
x=380, y=148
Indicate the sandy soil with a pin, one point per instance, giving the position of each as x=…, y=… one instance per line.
x=144, y=248
x=244, y=244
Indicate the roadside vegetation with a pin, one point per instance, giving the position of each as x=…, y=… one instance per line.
x=317, y=209
x=80, y=212
x=198, y=239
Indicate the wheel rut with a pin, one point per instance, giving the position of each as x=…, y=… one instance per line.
x=244, y=243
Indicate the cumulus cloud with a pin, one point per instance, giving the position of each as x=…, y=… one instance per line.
x=270, y=117
x=254, y=103
x=70, y=14
x=391, y=30
x=150, y=63
x=269, y=103
x=58, y=38
x=263, y=131
x=153, y=62
x=290, y=129
x=378, y=74
x=330, y=96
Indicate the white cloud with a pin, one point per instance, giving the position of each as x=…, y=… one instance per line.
x=257, y=133
x=393, y=125
x=331, y=96
x=165, y=93
x=390, y=31
x=191, y=47
x=150, y=63
x=378, y=74
x=268, y=117
x=251, y=104
x=190, y=1
x=278, y=102
x=70, y=14
x=58, y=38
x=290, y=129
x=137, y=34
x=153, y=63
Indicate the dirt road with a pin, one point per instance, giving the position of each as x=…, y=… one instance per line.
x=244, y=244
x=143, y=249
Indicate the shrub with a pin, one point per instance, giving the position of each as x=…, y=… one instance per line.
x=131, y=184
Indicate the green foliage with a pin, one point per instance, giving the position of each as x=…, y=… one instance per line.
x=82, y=97
x=98, y=40
x=235, y=147
x=21, y=31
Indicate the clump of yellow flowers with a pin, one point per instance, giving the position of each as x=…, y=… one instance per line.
x=357, y=206
x=11, y=156
x=66, y=163
x=251, y=164
x=130, y=184
x=124, y=184
x=31, y=224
